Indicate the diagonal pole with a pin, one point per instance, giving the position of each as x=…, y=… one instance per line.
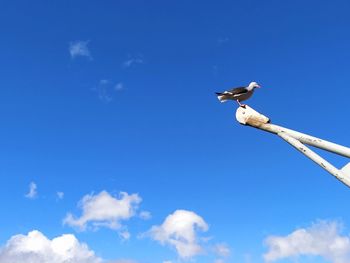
x=250, y=117
x=316, y=158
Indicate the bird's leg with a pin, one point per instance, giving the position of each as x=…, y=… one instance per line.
x=240, y=104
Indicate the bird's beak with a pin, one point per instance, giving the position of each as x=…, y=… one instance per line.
x=258, y=86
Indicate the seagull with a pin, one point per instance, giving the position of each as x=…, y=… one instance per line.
x=238, y=94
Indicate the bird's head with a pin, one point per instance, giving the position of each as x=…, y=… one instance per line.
x=253, y=85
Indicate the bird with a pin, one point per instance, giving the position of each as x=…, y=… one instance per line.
x=238, y=94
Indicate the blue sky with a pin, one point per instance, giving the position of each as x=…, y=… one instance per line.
x=102, y=98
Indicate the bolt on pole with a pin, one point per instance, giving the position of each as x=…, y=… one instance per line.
x=248, y=116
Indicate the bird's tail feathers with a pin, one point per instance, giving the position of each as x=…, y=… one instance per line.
x=221, y=97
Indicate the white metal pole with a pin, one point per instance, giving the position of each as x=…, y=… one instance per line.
x=316, y=158
x=248, y=116
x=308, y=139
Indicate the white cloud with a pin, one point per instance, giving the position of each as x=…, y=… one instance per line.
x=104, y=210
x=37, y=248
x=322, y=239
x=60, y=195
x=32, y=194
x=179, y=230
x=132, y=61
x=79, y=49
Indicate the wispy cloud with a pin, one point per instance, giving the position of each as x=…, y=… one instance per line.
x=106, y=89
x=222, y=251
x=223, y=40
x=133, y=61
x=79, y=49
x=145, y=215
x=60, y=195
x=323, y=239
x=104, y=81
x=122, y=261
x=103, y=91
x=119, y=86
x=105, y=210
x=32, y=193
x=124, y=234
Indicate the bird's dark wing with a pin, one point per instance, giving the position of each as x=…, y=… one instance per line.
x=238, y=91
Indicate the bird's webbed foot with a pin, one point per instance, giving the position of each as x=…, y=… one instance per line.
x=240, y=104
